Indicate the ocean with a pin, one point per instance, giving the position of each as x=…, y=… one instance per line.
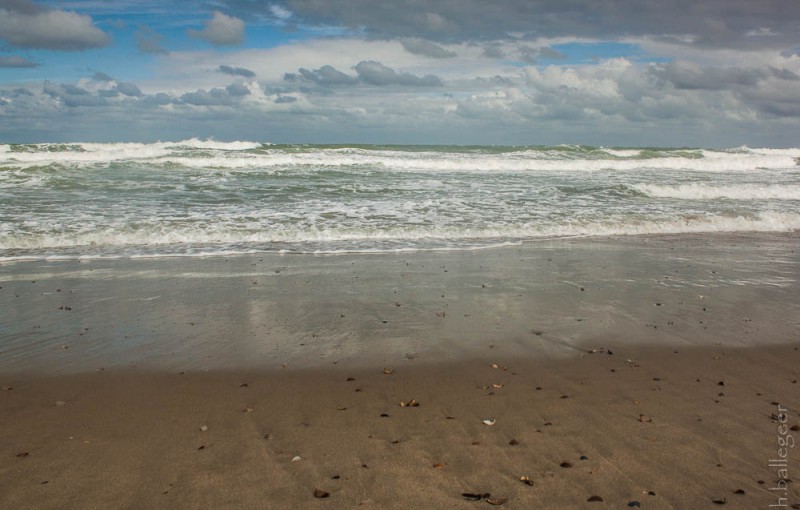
x=207, y=198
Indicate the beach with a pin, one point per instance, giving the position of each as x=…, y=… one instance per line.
x=300, y=254
x=643, y=371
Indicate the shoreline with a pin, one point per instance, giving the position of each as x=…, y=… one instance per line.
x=656, y=372
x=775, y=235
x=548, y=300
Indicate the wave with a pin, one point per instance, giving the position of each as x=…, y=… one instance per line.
x=246, y=155
x=203, y=196
x=104, y=153
x=223, y=240
x=700, y=191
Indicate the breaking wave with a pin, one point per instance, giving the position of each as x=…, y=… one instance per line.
x=206, y=197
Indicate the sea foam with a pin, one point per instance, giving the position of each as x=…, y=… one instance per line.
x=197, y=197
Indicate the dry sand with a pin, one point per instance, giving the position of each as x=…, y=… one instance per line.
x=665, y=394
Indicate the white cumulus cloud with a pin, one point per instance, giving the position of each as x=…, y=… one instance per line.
x=221, y=30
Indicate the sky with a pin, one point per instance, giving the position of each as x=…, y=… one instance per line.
x=698, y=73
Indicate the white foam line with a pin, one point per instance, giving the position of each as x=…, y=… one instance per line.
x=236, y=155
x=738, y=192
x=204, y=244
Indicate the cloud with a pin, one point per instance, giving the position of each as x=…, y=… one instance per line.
x=426, y=48
x=774, y=98
x=205, y=98
x=128, y=89
x=325, y=76
x=221, y=30
x=368, y=72
x=237, y=90
x=236, y=71
x=98, y=76
x=533, y=55
x=690, y=76
x=280, y=13
x=17, y=62
x=159, y=99
x=149, y=41
x=790, y=52
x=71, y=95
x=528, y=54
x=227, y=96
x=361, y=89
x=784, y=74
x=25, y=24
x=705, y=23
x=117, y=87
x=378, y=74
x=767, y=91
x=551, y=54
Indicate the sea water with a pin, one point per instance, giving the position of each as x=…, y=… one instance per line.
x=205, y=198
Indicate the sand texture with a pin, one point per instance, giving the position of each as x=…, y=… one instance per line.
x=666, y=429
x=643, y=373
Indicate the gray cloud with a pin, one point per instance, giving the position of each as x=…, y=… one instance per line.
x=551, y=54
x=368, y=72
x=22, y=6
x=425, y=48
x=784, y=74
x=237, y=90
x=128, y=89
x=214, y=97
x=683, y=75
x=325, y=76
x=378, y=74
x=18, y=62
x=775, y=100
x=221, y=30
x=236, y=71
x=149, y=41
x=790, y=51
x=73, y=90
x=528, y=54
x=120, y=87
x=71, y=95
x=98, y=76
x=613, y=101
x=708, y=23
x=205, y=98
x=493, y=50
x=25, y=24
x=159, y=99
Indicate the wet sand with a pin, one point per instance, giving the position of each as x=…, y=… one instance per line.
x=667, y=429
x=656, y=371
